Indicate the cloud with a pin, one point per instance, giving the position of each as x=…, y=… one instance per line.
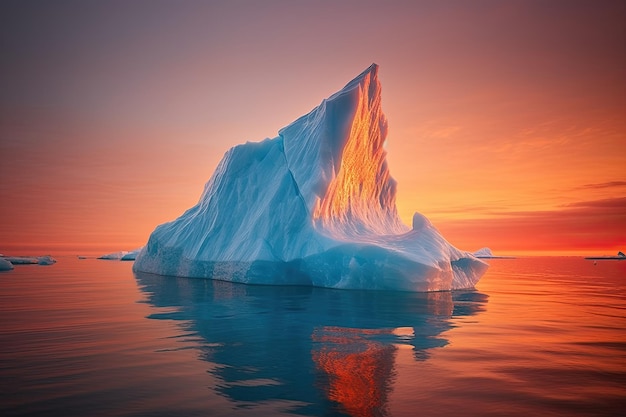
x=583, y=226
x=610, y=184
x=496, y=209
x=619, y=203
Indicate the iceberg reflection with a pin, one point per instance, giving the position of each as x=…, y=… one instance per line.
x=319, y=350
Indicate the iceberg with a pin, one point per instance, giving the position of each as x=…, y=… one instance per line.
x=313, y=206
x=484, y=253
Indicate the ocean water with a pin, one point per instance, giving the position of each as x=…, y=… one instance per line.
x=542, y=336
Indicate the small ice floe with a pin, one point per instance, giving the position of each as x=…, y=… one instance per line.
x=29, y=260
x=130, y=256
x=21, y=260
x=46, y=260
x=5, y=265
x=114, y=256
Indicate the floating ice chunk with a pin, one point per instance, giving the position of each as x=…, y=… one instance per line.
x=46, y=260
x=116, y=256
x=25, y=260
x=5, y=265
x=130, y=256
x=313, y=206
x=21, y=260
x=123, y=255
x=620, y=256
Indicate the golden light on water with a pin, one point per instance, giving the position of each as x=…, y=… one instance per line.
x=359, y=371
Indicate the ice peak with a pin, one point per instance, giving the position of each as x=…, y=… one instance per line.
x=369, y=75
x=367, y=81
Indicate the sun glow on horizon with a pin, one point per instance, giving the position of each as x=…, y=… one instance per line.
x=113, y=117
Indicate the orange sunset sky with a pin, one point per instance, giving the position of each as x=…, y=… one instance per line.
x=507, y=119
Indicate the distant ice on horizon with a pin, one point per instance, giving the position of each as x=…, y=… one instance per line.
x=131, y=255
x=484, y=253
x=27, y=260
x=313, y=206
x=123, y=255
x=620, y=256
x=115, y=256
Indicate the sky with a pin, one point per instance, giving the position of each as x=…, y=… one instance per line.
x=507, y=119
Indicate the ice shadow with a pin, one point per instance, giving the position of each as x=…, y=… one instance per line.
x=328, y=351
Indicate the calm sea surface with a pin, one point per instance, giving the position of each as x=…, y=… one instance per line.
x=538, y=337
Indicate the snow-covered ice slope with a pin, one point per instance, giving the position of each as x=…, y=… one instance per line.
x=313, y=206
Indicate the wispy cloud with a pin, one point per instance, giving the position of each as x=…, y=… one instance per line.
x=610, y=184
x=584, y=225
x=495, y=209
x=607, y=203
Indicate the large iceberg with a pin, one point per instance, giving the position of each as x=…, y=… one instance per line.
x=313, y=206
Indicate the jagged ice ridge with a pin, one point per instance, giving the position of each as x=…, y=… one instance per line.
x=313, y=206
